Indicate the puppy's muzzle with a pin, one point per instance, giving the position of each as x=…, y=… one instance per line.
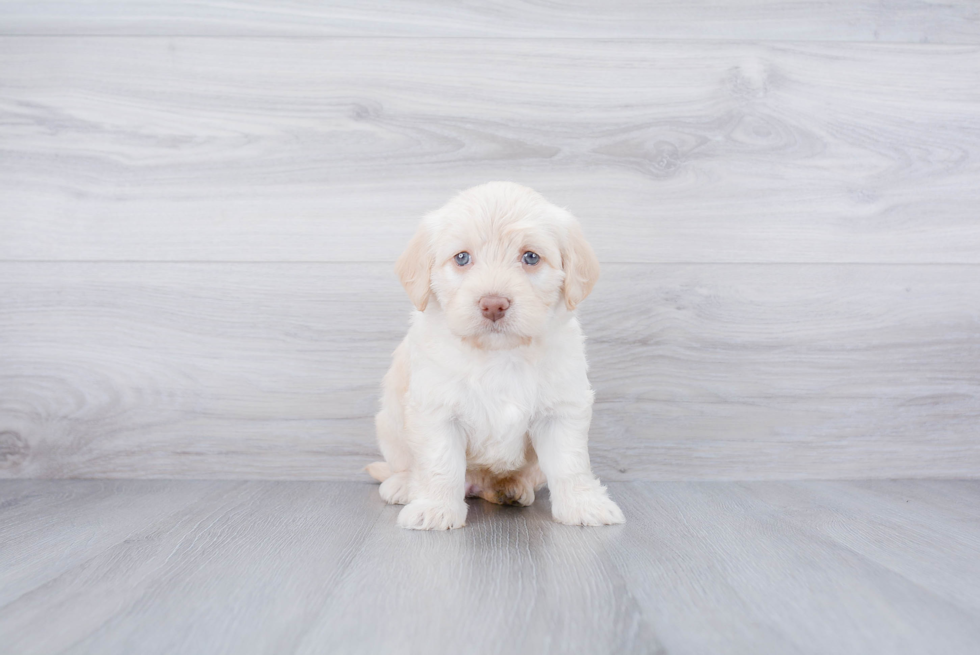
x=494, y=307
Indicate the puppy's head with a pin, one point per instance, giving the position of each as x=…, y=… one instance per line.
x=499, y=260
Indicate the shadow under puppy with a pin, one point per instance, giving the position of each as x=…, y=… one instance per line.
x=488, y=395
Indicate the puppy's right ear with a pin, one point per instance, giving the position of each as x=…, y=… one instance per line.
x=414, y=268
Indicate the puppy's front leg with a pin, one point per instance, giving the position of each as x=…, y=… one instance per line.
x=577, y=497
x=439, y=450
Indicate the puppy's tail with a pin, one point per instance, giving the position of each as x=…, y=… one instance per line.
x=380, y=471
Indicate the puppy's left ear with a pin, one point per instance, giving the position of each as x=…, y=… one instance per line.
x=414, y=268
x=580, y=264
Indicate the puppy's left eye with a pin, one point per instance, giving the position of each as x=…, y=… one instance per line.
x=531, y=258
x=462, y=259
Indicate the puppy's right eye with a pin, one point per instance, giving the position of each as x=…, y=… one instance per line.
x=462, y=259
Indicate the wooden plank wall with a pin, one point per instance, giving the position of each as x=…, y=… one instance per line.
x=200, y=204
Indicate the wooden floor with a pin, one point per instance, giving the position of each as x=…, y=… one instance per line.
x=320, y=567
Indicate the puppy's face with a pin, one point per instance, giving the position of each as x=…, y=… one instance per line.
x=499, y=260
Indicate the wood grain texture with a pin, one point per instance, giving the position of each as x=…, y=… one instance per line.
x=839, y=20
x=40, y=541
x=263, y=567
x=264, y=149
x=211, y=569
x=897, y=536
x=745, y=568
x=702, y=372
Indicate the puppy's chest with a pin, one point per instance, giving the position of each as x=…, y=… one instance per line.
x=495, y=408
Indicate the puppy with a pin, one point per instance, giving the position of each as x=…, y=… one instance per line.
x=487, y=395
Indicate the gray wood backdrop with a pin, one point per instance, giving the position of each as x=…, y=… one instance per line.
x=200, y=204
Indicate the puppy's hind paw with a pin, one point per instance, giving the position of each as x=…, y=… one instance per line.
x=432, y=515
x=514, y=490
x=591, y=508
x=397, y=490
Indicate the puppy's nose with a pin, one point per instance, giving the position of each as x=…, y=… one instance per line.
x=494, y=307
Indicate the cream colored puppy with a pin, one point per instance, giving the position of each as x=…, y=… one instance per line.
x=488, y=395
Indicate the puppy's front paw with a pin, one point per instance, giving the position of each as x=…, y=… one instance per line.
x=591, y=507
x=397, y=490
x=432, y=515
